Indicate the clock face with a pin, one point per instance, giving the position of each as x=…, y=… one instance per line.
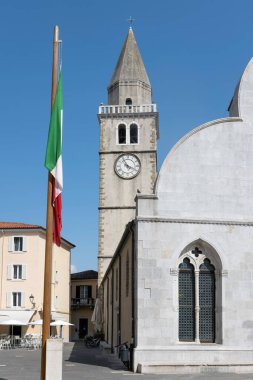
x=127, y=166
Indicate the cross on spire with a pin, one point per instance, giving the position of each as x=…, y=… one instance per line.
x=131, y=20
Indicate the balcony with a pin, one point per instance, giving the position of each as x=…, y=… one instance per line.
x=76, y=303
x=119, y=109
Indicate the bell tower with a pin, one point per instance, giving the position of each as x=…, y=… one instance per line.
x=128, y=148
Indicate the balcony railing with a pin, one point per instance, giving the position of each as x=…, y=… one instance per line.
x=79, y=302
x=107, y=110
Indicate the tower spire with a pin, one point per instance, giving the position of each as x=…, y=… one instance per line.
x=129, y=80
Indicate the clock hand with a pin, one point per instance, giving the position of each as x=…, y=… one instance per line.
x=126, y=164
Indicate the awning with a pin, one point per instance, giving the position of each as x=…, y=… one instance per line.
x=20, y=315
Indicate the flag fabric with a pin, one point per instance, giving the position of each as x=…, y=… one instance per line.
x=53, y=161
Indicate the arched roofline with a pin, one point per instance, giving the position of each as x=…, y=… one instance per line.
x=188, y=135
x=235, y=106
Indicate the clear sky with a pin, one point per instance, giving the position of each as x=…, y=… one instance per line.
x=194, y=52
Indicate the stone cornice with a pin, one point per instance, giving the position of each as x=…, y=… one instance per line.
x=127, y=115
x=127, y=151
x=195, y=221
x=116, y=207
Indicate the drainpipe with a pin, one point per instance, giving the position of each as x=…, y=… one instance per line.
x=119, y=290
x=107, y=310
x=133, y=343
x=112, y=295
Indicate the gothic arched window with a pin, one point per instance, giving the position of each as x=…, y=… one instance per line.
x=122, y=134
x=206, y=302
x=197, y=298
x=186, y=301
x=133, y=134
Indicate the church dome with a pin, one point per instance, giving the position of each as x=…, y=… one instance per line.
x=242, y=101
x=209, y=173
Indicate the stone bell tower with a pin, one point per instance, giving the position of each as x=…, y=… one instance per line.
x=128, y=148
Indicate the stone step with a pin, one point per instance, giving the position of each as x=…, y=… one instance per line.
x=165, y=368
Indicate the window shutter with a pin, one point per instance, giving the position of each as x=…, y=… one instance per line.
x=22, y=299
x=24, y=243
x=9, y=272
x=10, y=244
x=9, y=299
x=24, y=271
x=89, y=291
x=77, y=291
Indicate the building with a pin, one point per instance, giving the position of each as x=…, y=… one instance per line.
x=180, y=283
x=22, y=277
x=128, y=143
x=83, y=296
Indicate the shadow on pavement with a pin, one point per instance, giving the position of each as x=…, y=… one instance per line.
x=77, y=352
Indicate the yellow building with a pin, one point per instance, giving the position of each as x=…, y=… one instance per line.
x=83, y=296
x=22, y=249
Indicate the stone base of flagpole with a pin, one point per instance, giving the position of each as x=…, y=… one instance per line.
x=54, y=357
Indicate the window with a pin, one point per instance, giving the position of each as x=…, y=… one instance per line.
x=127, y=134
x=128, y=101
x=122, y=134
x=133, y=134
x=206, y=302
x=17, y=272
x=16, y=299
x=83, y=294
x=186, y=301
x=197, y=298
x=18, y=244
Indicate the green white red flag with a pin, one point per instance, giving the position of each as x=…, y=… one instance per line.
x=53, y=161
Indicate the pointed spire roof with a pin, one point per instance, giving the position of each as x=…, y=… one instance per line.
x=130, y=66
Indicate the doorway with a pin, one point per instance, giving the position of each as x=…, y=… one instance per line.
x=83, y=327
x=16, y=330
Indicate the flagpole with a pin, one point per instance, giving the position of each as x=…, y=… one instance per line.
x=49, y=228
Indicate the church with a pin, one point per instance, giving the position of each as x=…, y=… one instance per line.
x=175, y=248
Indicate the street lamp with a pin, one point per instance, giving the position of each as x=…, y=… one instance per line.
x=31, y=298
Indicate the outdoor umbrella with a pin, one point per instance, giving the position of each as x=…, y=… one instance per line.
x=12, y=322
x=61, y=323
x=97, y=316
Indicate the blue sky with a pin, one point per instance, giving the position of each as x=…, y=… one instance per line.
x=194, y=53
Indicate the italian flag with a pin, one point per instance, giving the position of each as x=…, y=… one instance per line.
x=53, y=161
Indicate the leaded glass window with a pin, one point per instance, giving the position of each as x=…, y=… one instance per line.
x=197, y=292
x=207, y=302
x=186, y=301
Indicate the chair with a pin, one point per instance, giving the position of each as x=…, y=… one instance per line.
x=6, y=345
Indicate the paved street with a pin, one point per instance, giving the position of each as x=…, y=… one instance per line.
x=90, y=364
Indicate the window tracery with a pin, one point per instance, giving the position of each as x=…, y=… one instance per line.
x=196, y=297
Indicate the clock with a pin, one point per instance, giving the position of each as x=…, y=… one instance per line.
x=127, y=166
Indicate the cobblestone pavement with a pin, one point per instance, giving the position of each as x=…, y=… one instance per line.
x=81, y=363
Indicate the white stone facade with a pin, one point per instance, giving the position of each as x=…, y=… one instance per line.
x=204, y=198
